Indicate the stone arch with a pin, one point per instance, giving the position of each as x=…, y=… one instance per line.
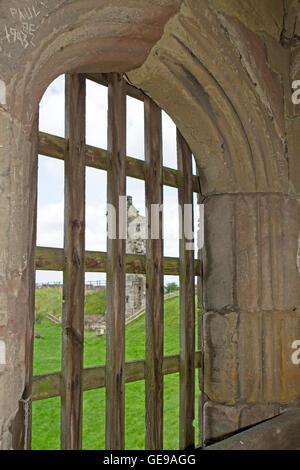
x=228, y=106
x=223, y=107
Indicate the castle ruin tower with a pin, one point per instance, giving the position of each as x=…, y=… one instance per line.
x=135, y=244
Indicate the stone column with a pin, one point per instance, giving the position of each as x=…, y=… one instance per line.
x=251, y=296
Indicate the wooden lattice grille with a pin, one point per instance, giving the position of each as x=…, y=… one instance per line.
x=74, y=261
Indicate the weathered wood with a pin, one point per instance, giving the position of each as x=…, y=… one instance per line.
x=73, y=276
x=200, y=335
x=49, y=385
x=187, y=297
x=200, y=316
x=115, y=290
x=52, y=259
x=21, y=430
x=102, y=79
x=54, y=146
x=154, y=278
x=46, y=386
x=31, y=292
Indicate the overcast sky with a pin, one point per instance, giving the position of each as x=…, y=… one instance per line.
x=51, y=175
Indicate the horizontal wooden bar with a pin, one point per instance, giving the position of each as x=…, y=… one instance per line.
x=55, y=147
x=52, y=259
x=102, y=79
x=49, y=259
x=49, y=385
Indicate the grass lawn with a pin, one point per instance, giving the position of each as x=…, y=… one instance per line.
x=49, y=299
x=47, y=358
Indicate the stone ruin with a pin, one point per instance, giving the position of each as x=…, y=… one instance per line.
x=135, y=244
x=135, y=283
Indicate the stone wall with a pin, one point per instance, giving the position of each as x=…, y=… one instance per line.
x=251, y=317
x=223, y=72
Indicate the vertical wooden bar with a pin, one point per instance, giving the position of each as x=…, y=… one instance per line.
x=73, y=276
x=187, y=297
x=154, y=278
x=115, y=293
x=200, y=317
x=201, y=348
x=22, y=431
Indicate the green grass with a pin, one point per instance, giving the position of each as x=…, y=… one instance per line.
x=47, y=358
x=95, y=302
x=49, y=300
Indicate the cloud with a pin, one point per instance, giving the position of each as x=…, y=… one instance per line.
x=135, y=128
x=52, y=108
x=50, y=225
x=96, y=115
x=95, y=235
x=169, y=141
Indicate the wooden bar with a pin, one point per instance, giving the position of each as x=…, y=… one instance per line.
x=73, y=276
x=27, y=398
x=22, y=425
x=154, y=278
x=47, y=258
x=52, y=259
x=115, y=291
x=49, y=385
x=54, y=146
x=101, y=79
x=187, y=297
x=200, y=320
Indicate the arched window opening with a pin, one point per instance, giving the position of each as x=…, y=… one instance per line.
x=141, y=275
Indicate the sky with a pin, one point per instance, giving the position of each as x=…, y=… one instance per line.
x=51, y=175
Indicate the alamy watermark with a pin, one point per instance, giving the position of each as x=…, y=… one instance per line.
x=2, y=353
x=296, y=354
x=117, y=229
x=296, y=93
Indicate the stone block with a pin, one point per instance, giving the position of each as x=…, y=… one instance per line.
x=218, y=259
x=266, y=16
x=255, y=59
x=293, y=134
x=221, y=421
x=248, y=357
x=221, y=357
x=250, y=253
x=253, y=414
x=279, y=433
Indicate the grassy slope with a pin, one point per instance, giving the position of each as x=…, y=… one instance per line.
x=48, y=300
x=47, y=359
x=95, y=302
